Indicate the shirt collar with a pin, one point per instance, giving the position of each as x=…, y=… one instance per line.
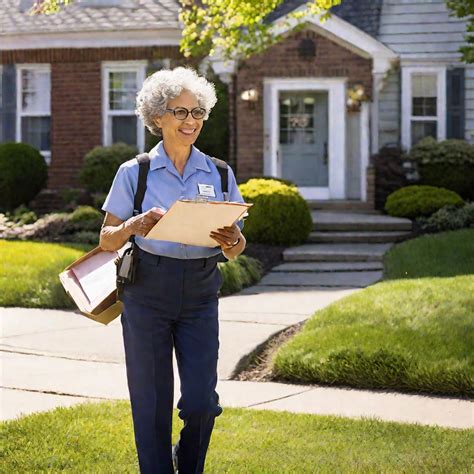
x=159, y=159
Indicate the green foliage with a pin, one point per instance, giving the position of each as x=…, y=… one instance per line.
x=448, y=164
x=237, y=28
x=101, y=165
x=23, y=173
x=239, y=273
x=420, y=200
x=22, y=215
x=465, y=9
x=85, y=237
x=448, y=218
x=85, y=213
x=279, y=215
x=280, y=180
x=214, y=136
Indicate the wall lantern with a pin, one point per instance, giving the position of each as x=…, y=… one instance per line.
x=250, y=96
x=355, y=96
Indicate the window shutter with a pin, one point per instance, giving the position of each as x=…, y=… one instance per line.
x=8, y=109
x=455, y=95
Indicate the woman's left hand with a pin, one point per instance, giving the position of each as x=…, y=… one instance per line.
x=226, y=236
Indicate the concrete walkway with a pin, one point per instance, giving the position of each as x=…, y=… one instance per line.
x=60, y=358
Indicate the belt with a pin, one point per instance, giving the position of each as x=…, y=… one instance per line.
x=154, y=259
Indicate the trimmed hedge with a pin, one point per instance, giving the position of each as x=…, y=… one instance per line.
x=420, y=200
x=23, y=173
x=448, y=164
x=279, y=215
x=101, y=165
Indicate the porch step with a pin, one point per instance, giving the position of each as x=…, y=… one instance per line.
x=336, y=253
x=361, y=237
x=319, y=267
x=336, y=279
x=357, y=222
x=348, y=205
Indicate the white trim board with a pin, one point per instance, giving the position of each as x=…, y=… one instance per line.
x=92, y=39
x=336, y=88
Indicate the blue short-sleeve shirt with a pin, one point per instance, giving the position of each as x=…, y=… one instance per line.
x=165, y=186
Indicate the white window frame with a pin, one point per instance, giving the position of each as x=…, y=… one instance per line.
x=139, y=67
x=407, y=117
x=19, y=114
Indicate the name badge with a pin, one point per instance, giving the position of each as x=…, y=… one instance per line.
x=206, y=190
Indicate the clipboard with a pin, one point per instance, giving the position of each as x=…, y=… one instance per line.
x=190, y=221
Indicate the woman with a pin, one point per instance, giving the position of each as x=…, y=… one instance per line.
x=173, y=301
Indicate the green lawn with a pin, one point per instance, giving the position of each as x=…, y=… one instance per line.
x=29, y=273
x=98, y=438
x=414, y=334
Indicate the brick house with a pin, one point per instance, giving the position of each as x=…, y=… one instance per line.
x=69, y=83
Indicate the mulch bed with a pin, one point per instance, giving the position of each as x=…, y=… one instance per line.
x=258, y=367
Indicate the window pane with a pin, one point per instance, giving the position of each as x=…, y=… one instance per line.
x=35, y=132
x=424, y=94
x=122, y=90
x=424, y=106
x=35, y=91
x=421, y=130
x=124, y=129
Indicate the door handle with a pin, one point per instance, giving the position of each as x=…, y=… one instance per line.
x=325, y=155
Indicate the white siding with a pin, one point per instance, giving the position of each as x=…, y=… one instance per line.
x=389, y=109
x=469, y=110
x=421, y=29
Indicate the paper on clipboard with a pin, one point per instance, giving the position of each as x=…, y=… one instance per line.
x=190, y=222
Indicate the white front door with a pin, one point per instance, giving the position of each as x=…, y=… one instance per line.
x=305, y=123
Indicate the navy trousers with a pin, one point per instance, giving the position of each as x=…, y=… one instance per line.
x=172, y=303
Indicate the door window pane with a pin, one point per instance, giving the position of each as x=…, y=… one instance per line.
x=124, y=129
x=423, y=129
x=424, y=94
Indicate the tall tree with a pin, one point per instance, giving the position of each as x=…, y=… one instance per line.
x=230, y=28
x=465, y=9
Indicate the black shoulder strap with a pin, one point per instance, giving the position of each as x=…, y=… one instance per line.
x=144, y=165
x=224, y=173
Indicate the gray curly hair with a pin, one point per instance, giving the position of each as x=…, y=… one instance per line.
x=166, y=84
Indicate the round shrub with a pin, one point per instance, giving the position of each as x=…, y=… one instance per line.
x=23, y=173
x=279, y=215
x=448, y=164
x=101, y=165
x=280, y=180
x=420, y=200
x=84, y=214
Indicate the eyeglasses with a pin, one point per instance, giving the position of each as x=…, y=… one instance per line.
x=182, y=113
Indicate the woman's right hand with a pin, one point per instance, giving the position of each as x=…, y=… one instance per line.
x=143, y=223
